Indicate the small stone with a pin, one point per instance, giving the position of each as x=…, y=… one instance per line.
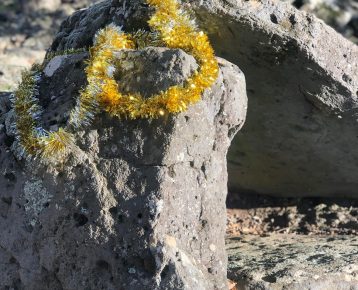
x=212, y=248
x=53, y=65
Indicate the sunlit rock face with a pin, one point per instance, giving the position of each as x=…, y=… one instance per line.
x=137, y=204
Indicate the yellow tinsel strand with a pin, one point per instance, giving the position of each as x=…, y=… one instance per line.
x=34, y=140
x=177, y=31
x=174, y=29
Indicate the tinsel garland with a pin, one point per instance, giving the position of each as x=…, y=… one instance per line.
x=171, y=27
x=35, y=141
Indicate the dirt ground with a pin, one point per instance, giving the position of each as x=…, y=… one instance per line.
x=26, y=35
x=261, y=215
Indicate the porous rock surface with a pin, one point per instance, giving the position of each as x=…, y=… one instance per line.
x=340, y=14
x=300, y=136
x=138, y=204
x=293, y=262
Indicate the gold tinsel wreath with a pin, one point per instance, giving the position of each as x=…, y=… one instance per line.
x=175, y=30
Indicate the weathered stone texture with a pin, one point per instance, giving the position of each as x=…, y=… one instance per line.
x=302, y=80
x=139, y=204
x=293, y=262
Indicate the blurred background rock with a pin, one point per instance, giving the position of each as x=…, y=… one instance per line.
x=28, y=26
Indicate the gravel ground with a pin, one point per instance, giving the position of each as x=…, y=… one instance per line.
x=293, y=262
x=259, y=215
x=24, y=37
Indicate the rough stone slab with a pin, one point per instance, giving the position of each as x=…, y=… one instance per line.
x=302, y=80
x=300, y=137
x=290, y=262
x=139, y=204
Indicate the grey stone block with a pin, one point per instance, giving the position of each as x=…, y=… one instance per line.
x=139, y=204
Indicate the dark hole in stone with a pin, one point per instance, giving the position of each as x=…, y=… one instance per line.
x=8, y=140
x=113, y=210
x=140, y=215
x=12, y=260
x=46, y=204
x=187, y=118
x=171, y=171
x=165, y=272
x=269, y=278
x=102, y=264
x=145, y=228
x=149, y=264
x=81, y=219
x=78, y=65
x=191, y=163
x=293, y=19
x=210, y=270
x=298, y=3
x=273, y=18
x=7, y=200
x=1, y=73
x=203, y=168
x=120, y=218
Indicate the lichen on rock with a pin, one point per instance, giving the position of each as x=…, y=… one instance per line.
x=36, y=199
